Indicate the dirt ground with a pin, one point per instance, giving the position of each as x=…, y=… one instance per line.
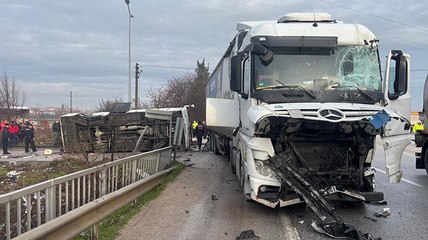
x=161, y=218
x=187, y=209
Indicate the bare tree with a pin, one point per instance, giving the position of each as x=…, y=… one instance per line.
x=107, y=105
x=157, y=98
x=12, y=98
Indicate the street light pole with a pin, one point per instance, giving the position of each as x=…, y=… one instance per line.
x=129, y=52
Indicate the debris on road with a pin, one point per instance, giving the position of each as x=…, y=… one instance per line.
x=369, y=218
x=248, y=235
x=188, y=163
x=306, y=186
x=386, y=211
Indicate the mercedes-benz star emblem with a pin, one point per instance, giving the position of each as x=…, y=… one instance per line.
x=333, y=115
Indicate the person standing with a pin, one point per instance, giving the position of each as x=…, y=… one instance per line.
x=28, y=134
x=194, y=125
x=5, y=136
x=200, y=132
x=13, y=130
x=418, y=127
x=22, y=126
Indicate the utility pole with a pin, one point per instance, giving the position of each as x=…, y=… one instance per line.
x=129, y=51
x=71, y=101
x=137, y=77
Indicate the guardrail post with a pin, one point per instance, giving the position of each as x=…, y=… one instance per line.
x=103, y=182
x=50, y=203
x=8, y=232
x=134, y=171
x=95, y=231
x=163, y=160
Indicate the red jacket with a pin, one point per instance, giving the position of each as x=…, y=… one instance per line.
x=13, y=129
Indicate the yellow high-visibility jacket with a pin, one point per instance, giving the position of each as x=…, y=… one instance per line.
x=418, y=127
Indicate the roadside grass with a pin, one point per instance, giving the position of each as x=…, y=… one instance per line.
x=35, y=172
x=110, y=226
x=3, y=171
x=37, y=176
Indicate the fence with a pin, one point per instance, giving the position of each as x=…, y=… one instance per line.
x=39, y=204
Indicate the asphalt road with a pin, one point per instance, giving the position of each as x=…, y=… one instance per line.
x=185, y=210
x=406, y=200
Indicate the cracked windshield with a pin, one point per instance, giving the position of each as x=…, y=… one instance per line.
x=319, y=69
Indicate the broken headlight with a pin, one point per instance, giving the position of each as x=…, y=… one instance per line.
x=263, y=169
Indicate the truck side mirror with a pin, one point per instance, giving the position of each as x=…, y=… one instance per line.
x=235, y=73
x=399, y=80
x=401, y=75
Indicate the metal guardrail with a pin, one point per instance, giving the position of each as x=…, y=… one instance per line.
x=33, y=206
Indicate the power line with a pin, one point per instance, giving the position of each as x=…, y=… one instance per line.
x=163, y=66
x=402, y=9
x=379, y=17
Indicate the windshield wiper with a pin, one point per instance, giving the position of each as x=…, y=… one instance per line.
x=293, y=87
x=359, y=90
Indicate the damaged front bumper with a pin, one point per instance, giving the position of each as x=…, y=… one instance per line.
x=272, y=194
x=269, y=193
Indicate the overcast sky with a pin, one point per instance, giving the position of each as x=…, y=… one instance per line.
x=54, y=47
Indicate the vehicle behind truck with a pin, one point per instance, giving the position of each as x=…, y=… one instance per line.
x=302, y=99
x=422, y=135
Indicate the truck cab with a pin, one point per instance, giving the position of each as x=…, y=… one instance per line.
x=309, y=88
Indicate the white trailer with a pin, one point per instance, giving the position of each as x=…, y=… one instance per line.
x=308, y=88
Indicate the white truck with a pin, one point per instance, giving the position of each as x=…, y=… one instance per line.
x=308, y=88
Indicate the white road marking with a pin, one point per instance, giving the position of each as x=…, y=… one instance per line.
x=402, y=179
x=290, y=232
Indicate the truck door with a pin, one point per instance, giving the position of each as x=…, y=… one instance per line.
x=396, y=134
x=245, y=101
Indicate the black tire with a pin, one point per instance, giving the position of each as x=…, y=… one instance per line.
x=419, y=139
x=232, y=162
x=215, y=149
x=230, y=151
x=426, y=159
